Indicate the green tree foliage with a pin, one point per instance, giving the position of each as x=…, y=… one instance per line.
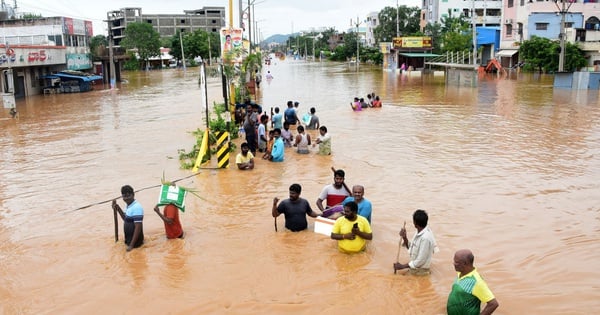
x=31, y=16
x=196, y=44
x=542, y=54
x=452, y=41
x=142, y=38
x=408, y=26
x=456, y=34
x=97, y=45
x=435, y=31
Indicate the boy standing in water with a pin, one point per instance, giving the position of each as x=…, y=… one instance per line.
x=170, y=217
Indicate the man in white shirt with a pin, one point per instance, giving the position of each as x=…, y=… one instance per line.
x=421, y=248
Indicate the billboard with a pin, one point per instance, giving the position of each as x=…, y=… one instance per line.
x=412, y=42
x=231, y=44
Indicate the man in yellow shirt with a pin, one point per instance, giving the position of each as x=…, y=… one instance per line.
x=351, y=230
x=245, y=159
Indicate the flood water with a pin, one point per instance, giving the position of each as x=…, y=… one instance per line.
x=509, y=169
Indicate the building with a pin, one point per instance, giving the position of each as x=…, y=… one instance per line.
x=34, y=48
x=487, y=12
x=523, y=19
x=372, y=23
x=209, y=19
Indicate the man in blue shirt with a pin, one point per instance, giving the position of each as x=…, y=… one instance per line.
x=132, y=218
x=277, y=119
x=277, y=152
x=364, y=205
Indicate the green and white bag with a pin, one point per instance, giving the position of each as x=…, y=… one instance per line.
x=172, y=194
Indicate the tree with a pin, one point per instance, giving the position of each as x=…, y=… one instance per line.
x=97, y=45
x=456, y=33
x=435, y=31
x=542, y=54
x=142, y=38
x=409, y=23
x=31, y=16
x=196, y=44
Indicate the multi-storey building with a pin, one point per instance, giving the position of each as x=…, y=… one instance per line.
x=34, y=48
x=523, y=19
x=210, y=19
x=486, y=12
x=372, y=22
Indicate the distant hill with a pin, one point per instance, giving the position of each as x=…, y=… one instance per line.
x=277, y=38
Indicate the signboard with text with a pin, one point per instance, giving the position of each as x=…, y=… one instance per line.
x=24, y=57
x=412, y=42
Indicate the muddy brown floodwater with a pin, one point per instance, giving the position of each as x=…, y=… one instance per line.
x=509, y=169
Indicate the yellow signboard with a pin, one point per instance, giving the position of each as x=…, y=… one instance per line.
x=412, y=42
x=384, y=47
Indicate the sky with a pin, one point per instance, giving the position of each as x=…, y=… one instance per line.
x=272, y=16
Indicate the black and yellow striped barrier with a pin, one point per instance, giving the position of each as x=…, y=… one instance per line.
x=222, y=149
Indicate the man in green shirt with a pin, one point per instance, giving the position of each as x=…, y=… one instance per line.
x=469, y=289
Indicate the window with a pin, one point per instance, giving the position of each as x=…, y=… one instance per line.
x=214, y=21
x=541, y=26
x=510, y=3
x=568, y=24
x=182, y=21
x=509, y=30
x=149, y=21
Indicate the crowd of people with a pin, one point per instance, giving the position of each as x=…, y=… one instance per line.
x=349, y=208
x=272, y=142
x=358, y=104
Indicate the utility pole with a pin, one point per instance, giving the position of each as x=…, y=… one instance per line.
x=474, y=26
x=249, y=27
x=563, y=10
x=209, y=54
x=111, y=60
x=397, y=19
x=182, y=53
x=358, y=23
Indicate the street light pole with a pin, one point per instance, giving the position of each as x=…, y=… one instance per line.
x=249, y=27
x=358, y=23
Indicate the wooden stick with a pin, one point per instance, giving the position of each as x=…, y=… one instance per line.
x=344, y=183
x=116, y=225
x=399, y=248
